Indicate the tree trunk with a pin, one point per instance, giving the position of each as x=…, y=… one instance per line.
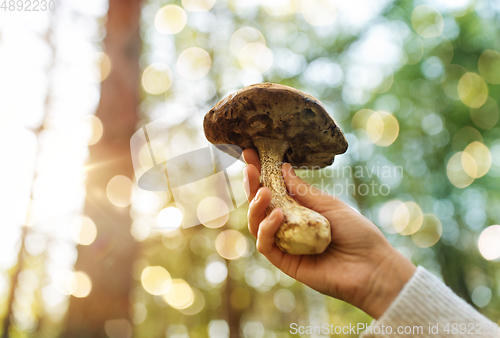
x=108, y=261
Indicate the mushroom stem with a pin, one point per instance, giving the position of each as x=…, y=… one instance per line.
x=303, y=230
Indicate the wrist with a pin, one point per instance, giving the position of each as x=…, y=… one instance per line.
x=386, y=282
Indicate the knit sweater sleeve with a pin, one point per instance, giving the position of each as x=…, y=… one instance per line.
x=428, y=308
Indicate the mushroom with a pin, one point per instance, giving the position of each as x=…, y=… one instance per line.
x=284, y=125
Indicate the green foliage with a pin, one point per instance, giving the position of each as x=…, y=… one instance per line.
x=337, y=64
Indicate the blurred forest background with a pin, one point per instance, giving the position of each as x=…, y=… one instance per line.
x=84, y=252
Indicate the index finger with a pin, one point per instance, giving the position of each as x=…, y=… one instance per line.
x=252, y=157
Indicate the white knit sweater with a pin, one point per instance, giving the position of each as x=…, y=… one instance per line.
x=428, y=308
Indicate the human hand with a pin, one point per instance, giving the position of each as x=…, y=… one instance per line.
x=359, y=266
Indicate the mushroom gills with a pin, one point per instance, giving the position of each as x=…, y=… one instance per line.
x=303, y=231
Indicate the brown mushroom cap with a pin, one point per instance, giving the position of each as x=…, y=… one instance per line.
x=278, y=112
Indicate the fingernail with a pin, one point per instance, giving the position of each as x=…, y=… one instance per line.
x=246, y=185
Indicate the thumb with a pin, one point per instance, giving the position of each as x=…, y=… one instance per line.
x=300, y=190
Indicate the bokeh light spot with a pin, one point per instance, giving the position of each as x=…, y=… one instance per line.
x=156, y=280
x=472, y=90
x=243, y=37
x=465, y=136
x=280, y=7
x=119, y=190
x=231, y=244
x=85, y=231
x=179, y=295
x=193, y=63
x=489, y=66
x=432, y=124
x=486, y=116
x=255, y=56
x=216, y=272
x=218, y=328
x=386, y=216
x=360, y=119
x=480, y=157
x=169, y=218
x=469, y=164
x=94, y=127
x=170, y=19
x=157, y=78
x=213, y=212
x=488, y=242
x=456, y=172
x=319, y=12
x=79, y=284
x=429, y=233
x=432, y=67
x=413, y=48
x=284, y=300
x=197, y=305
x=427, y=21
x=198, y=5
x=382, y=128
x=450, y=78
x=444, y=51
x=139, y=313
x=481, y=296
x=407, y=218
x=104, y=65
